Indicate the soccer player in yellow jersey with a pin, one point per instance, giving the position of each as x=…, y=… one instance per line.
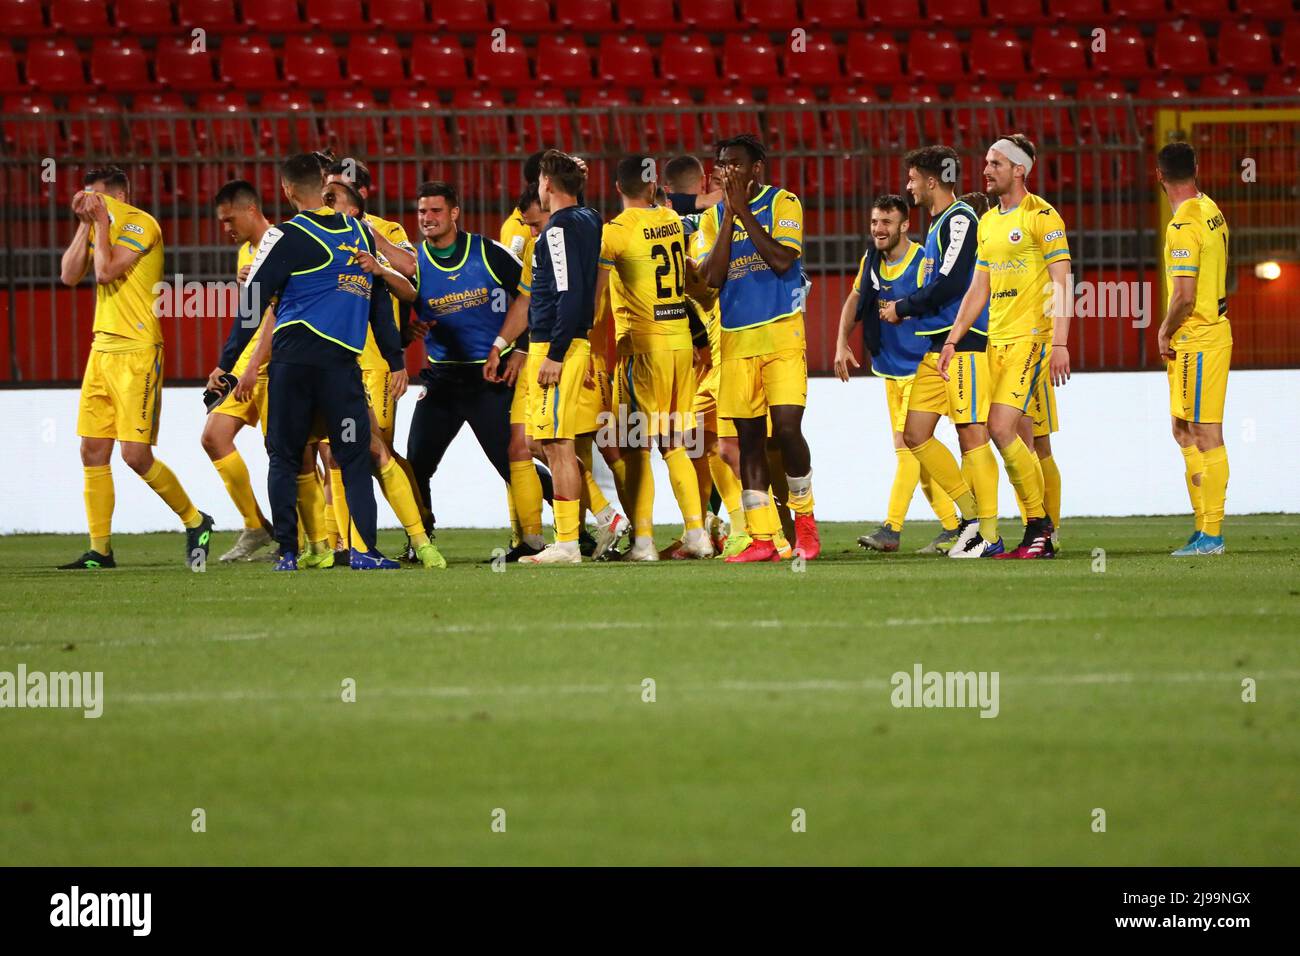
x=1196, y=341
x=643, y=267
x=1022, y=273
x=755, y=243
x=239, y=212
x=121, y=393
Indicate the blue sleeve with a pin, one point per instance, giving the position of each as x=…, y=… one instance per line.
x=279, y=252
x=572, y=259
x=952, y=274
x=387, y=336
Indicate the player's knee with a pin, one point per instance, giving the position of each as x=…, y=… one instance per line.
x=914, y=437
x=138, y=457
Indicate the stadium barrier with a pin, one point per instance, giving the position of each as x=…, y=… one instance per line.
x=1096, y=165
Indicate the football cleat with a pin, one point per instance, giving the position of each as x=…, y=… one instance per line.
x=942, y=542
x=808, y=544
x=1201, y=544
x=696, y=545
x=759, y=550
x=90, y=561
x=1183, y=551
x=429, y=556
x=250, y=540
x=409, y=555
x=883, y=538
x=1036, y=544
x=522, y=550
x=718, y=528
x=666, y=554
x=782, y=545
x=643, y=549
x=977, y=547
x=736, y=543
x=368, y=561
x=198, y=541
x=586, y=543
x=607, y=534
x=325, y=558
x=288, y=562
x=555, y=553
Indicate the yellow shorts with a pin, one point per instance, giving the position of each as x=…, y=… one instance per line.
x=1043, y=408
x=376, y=382
x=661, y=387
x=1198, y=384
x=1015, y=370
x=964, y=397
x=553, y=411
x=519, y=402
x=593, y=397
x=250, y=412
x=121, y=395
x=749, y=386
x=897, y=393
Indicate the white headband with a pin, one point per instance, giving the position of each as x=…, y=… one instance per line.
x=1014, y=153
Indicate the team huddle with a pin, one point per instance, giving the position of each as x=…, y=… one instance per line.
x=701, y=280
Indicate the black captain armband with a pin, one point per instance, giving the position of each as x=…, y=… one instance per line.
x=699, y=334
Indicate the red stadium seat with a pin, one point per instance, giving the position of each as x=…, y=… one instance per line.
x=249, y=64
x=1138, y=10
x=565, y=62
x=1246, y=48
x=591, y=16
x=1058, y=53
x=39, y=133
x=215, y=16
x=401, y=16
x=155, y=127
x=1225, y=85
x=1104, y=107
x=1204, y=9
x=818, y=64
x=376, y=62
x=361, y=133
x=284, y=136
x=649, y=16
x=1270, y=10
x=23, y=18
x=713, y=16
x=9, y=81
x=896, y=13
x=523, y=16
x=180, y=67
x=101, y=129
x=997, y=55
x=1163, y=88
x=1125, y=54
x=1017, y=13
x=834, y=14
x=625, y=61
x=336, y=16
x=80, y=18
x=1091, y=12
x=274, y=16
x=422, y=133
x=979, y=123
x=1181, y=48
x=956, y=13
x=615, y=125
x=229, y=135
x=674, y=125
x=120, y=66
x=1049, y=124
x=461, y=16
x=850, y=126
x=770, y=15
x=440, y=64
x=749, y=59
x=553, y=128
x=145, y=17
x=933, y=57
x=792, y=128
x=54, y=66
x=927, y=122
x=1280, y=84
x=313, y=63
x=505, y=68
x=875, y=58
x=726, y=121
x=688, y=60
x=1290, y=48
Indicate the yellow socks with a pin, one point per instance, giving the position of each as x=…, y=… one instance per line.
x=401, y=498
x=937, y=461
x=982, y=471
x=619, y=469
x=99, y=507
x=907, y=472
x=566, y=519
x=1194, y=470
x=1051, y=489
x=1022, y=469
x=311, y=507
x=425, y=514
x=760, y=515
x=940, y=503
x=526, y=490
x=728, y=486
x=799, y=494
x=339, y=506
x=641, y=488
x=168, y=488
x=703, y=480
x=1214, y=489
x=686, y=486
x=234, y=475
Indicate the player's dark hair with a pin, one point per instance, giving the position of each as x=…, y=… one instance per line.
x=1023, y=141
x=563, y=171
x=979, y=202
x=303, y=170
x=941, y=162
x=680, y=168
x=661, y=196
x=630, y=175
x=533, y=166
x=355, y=171
x=238, y=192
x=354, y=197
x=528, y=197
x=113, y=177
x=1177, y=162
x=750, y=143
x=891, y=201
x=439, y=188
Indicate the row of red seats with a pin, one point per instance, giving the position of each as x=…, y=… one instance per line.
x=122, y=66
x=146, y=17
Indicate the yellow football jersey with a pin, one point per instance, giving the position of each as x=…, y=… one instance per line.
x=526, y=273
x=394, y=233
x=644, y=251
x=1014, y=249
x=124, y=309
x=245, y=258
x=515, y=233
x=1196, y=245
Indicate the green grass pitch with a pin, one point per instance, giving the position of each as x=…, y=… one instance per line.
x=522, y=691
